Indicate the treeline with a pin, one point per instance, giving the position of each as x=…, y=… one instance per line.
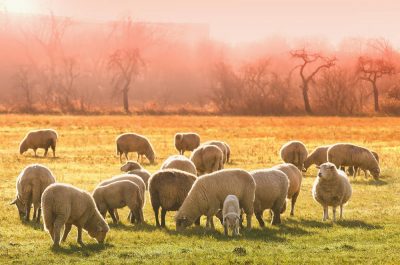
x=58, y=65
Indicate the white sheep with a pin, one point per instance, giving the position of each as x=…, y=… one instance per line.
x=132, y=142
x=64, y=204
x=180, y=162
x=186, y=142
x=271, y=191
x=317, y=157
x=294, y=152
x=31, y=183
x=207, y=159
x=351, y=155
x=331, y=188
x=45, y=139
x=131, y=165
x=208, y=195
x=231, y=213
x=221, y=145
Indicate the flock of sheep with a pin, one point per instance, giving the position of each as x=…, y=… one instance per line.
x=193, y=187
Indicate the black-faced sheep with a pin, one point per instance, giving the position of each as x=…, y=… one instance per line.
x=294, y=152
x=45, y=139
x=180, y=162
x=207, y=159
x=132, y=142
x=186, y=142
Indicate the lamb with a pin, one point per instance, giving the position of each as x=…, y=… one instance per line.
x=331, y=188
x=207, y=159
x=294, y=152
x=168, y=189
x=130, y=165
x=67, y=205
x=186, y=142
x=208, y=195
x=295, y=177
x=131, y=142
x=45, y=139
x=231, y=215
x=180, y=162
x=271, y=191
x=221, y=145
x=354, y=156
x=317, y=157
x=31, y=183
x=117, y=195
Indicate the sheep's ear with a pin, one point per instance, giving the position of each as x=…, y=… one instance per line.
x=14, y=201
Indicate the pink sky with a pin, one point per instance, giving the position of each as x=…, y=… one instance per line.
x=243, y=20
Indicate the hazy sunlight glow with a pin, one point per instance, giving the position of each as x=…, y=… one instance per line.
x=20, y=6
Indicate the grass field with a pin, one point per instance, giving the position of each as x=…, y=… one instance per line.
x=370, y=233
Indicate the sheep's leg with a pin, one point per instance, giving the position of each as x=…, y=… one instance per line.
x=225, y=229
x=366, y=173
x=38, y=215
x=260, y=219
x=116, y=214
x=276, y=218
x=210, y=222
x=197, y=222
x=120, y=157
x=294, y=199
x=334, y=213
x=248, y=220
x=137, y=157
x=163, y=213
x=341, y=211
x=79, y=237
x=355, y=172
x=45, y=151
x=131, y=217
x=35, y=152
x=156, y=210
x=53, y=148
x=28, y=210
x=325, y=213
x=67, y=229
x=58, y=224
x=126, y=156
x=111, y=212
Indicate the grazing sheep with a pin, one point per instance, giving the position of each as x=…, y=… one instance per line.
x=294, y=152
x=186, y=142
x=271, y=191
x=168, y=189
x=351, y=172
x=117, y=195
x=143, y=174
x=208, y=195
x=354, y=156
x=132, y=142
x=180, y=162
x=207, y=159
x=317, y=157
x=64, y=204
x=31, y=183
x=295, y=178
x=45, y=139
x=228, y=153
x=231, y=215
x=331, y=188
x=221, y=145
x=130, y=165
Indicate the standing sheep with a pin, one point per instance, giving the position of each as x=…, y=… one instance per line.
x=45, y=139
x=208, y=195
x=228, y=152
x=207, y=159
x=295, y=178
x=131, y=142
x=271, y=191
x=317, y=157
x=132, y=167
x=117, y=195
x=180, y=162
x=64, y=204
x=221, y=145
x=231, y=215
x=31, y=183
x=294, y=152
x=168, y=189
x=186, y=142
x=354, y=156
x=331, y=188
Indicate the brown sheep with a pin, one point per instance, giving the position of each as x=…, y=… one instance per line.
x=294, y=152
x=45, y=139
x=186, y=142
x=132, y=142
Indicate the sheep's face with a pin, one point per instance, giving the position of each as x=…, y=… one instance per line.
x=231, y=221
x=100, y=232
x=151, y=157
x=327, y=171
x=20, y=206
x=130, y=165
x=182, y=223
x=375, y=173
x=22, y=148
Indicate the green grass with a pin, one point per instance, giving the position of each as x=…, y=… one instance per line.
x=369, y=234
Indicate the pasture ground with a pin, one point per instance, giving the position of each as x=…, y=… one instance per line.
x=370, y=233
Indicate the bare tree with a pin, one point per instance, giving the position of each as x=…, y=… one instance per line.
x=25, y=84
x=126, y=65
x=319, y=61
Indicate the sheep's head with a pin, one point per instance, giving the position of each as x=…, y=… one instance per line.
x=231, y=221
x=178, y=137
x=182, y=222
x=100, y=231
x=23, y=147
x=130, y=165
x=20, y=206
x=327, y=171
x=375, y=172
x=151, y=157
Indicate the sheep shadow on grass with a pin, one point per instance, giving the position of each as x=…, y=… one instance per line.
x=132, y=227
x=85, y=250
x=358, y=224
x=33, y=224
x=369, y=182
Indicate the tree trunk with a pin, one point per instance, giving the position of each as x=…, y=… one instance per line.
x=307, y=106
x=126, y=99
x=376, y=97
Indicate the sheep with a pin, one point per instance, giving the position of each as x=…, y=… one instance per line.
x=294, y=152
x=45, y=139
x=207, y=159
x=31, y=183
x=186, y=142
x=168, y=189
x=132, y=142
x=331, y=188
x=64, y=204
x=180, y=162
x=130, y=165
x=271, y=191
x=228, y=152
x=208, y=194
x=317, y=157
x=117, y=195
x=231, y=215
x=130, y=177
x=295, y=177
x=351, y=155
x=221, y=145
x=351, y=172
